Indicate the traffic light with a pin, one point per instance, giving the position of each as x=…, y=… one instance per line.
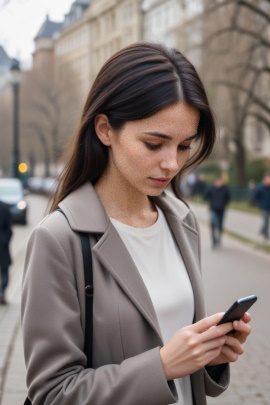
x=23, y=167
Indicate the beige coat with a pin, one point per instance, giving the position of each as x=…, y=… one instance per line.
x=127, y=368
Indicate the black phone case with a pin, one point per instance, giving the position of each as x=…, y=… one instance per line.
x=237, y=310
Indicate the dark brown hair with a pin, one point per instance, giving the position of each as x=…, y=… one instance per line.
x=135, y=83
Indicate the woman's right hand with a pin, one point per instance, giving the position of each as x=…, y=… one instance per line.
x=194, y=346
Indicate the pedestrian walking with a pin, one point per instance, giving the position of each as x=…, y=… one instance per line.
x=150, y=339
x=218, y=196
x=5, y=259
x=261, y=197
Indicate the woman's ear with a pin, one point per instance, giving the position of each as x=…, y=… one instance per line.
x=103, y=129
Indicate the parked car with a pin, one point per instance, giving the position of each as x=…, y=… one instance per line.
x=35, y=184
x=49, y=185
x=42, y=185
x=12, y=193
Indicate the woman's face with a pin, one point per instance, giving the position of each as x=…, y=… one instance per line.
x=146, y=154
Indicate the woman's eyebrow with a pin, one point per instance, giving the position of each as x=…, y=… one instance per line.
x=164, y=136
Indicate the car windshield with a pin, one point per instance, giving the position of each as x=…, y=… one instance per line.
x=9, y=190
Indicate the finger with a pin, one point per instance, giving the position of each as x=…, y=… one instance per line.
x=203, y=353
x=234, y=345
x=246, y=317
x=207, y=322
x=229, y=354
x=214, y=343
x=242, y=330
x=210, y=355
x=216, y=332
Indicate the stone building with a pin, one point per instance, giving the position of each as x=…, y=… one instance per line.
x=91, y=33
x=44, y=43
x=168, y=21
x=113, y=24
x=73, y=46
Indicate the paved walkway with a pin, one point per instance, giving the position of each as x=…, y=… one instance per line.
x=243, y=224
x=10, y=344
x=12, y=369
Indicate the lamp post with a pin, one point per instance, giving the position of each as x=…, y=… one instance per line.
x=15, y=80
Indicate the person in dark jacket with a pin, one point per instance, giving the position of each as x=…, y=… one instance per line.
x=218, y=196
x=5, y=259
x=261, y=197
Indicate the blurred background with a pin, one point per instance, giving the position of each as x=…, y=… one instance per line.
x=50, y=53
x=58, y=55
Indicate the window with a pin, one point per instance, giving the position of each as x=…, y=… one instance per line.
x=127, y=12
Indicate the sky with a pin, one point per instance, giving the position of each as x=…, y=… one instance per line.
x=20, y=21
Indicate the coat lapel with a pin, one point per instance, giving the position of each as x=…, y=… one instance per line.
x=187, y=241
x=114, y=256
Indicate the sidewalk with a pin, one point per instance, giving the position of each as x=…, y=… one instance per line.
x=243, y=224
x=10, y=341
x=9, y=320
x=12, y=368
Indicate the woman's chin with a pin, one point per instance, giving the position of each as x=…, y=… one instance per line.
x=155, y=193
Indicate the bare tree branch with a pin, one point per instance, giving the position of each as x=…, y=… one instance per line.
x=256, y=10
x=260, y=118
x=236, y=86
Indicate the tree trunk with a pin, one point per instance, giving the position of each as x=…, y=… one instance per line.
x=240, y=159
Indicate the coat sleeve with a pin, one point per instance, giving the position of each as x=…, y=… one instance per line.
x=9, y=227
x=228, y=196
x=216, y=378
x=257, y=194
x=53, y=341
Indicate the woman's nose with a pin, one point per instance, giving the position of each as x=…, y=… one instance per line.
x=170, y=162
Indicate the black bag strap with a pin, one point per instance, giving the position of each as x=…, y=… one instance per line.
x=89, y=294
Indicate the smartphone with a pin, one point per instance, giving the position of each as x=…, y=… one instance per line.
x=237, y=310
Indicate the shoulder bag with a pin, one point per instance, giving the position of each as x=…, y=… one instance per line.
x=89, y=293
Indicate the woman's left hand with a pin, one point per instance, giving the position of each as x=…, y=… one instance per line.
x=233, y=346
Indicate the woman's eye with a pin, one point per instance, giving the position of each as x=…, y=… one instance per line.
x=152, y=146
x=184, y=147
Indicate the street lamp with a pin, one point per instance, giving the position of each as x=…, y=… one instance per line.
x=15, y=80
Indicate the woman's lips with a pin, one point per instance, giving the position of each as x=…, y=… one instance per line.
x=160, y=182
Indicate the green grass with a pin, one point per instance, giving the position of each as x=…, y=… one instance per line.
x=243, y=206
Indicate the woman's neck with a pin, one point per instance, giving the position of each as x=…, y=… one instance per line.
x=125, y=204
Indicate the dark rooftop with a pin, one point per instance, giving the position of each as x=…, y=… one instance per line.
x=48, y=28
x=5, y=60
x=83, y=2
x=76, y=11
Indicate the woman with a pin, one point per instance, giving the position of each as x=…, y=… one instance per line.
x=152, y=342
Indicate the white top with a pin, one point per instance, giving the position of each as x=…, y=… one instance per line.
x=159, y=261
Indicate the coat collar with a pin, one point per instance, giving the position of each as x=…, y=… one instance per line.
x=84, y=210
x=85, y=213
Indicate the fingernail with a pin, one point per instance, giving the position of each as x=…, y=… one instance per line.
x=235, y=324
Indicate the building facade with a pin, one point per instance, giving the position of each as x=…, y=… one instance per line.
x=72, y=47
x=169, y=21
x=44, y=44
x=113, y=25
x=161, y=20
